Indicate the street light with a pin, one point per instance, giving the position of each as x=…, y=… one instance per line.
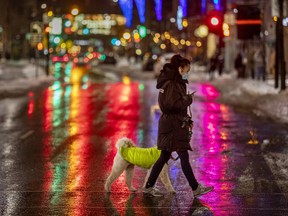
x=74, y=11
x=44, y=6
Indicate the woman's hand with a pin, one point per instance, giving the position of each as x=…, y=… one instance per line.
x=192, y=94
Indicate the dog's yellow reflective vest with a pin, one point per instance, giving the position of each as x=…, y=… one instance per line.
x=142, y=157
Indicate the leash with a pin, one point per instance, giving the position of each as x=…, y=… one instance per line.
x=174, y=159
x=189, y=107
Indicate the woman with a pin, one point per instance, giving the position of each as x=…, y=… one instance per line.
x=175, y=125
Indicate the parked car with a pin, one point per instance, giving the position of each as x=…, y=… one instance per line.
x=161, y=61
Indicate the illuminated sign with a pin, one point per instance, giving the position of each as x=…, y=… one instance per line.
x=97, y=24
x=56, y=26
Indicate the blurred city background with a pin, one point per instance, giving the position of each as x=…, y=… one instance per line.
x=218, y=34
x=77, y=75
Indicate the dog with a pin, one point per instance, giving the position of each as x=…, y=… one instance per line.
x=128, y=156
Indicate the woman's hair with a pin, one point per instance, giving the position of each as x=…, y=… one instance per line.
x=179, y=61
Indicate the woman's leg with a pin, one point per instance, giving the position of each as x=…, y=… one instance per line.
x=187, y=170
x=164, y=157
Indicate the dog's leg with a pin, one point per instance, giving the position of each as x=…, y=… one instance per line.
x=146, y=177
x=119, y=165
x=164, y=176
x=129, y=177
x=108, y=183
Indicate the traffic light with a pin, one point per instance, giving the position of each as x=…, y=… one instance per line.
x=215, y=22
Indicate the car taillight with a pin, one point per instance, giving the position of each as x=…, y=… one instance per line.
x=55, y=58
x=66, y=59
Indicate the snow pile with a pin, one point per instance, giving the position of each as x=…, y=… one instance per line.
x=31, y=71
x=122, y=62
x=21, y=86
x=17, y=80
x=257, y=88
x=10, y=73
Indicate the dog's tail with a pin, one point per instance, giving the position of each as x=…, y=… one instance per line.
x=124, y=142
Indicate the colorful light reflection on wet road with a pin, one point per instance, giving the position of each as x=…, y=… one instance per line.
x=80, y=123
x=89, y=121
x=209, y=142
x=117, y=116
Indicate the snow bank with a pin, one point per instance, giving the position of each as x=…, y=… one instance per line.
x=22, y=86
x=31, y=71
x=16, y=80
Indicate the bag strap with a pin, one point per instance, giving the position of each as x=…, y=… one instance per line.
x=189, y=108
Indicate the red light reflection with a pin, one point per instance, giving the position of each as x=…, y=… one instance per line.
x=118, y=104
x=209, y=141
x=31, y=103
x=122, y=120
x=47, y=150
x=31, y=107
x=122, y=114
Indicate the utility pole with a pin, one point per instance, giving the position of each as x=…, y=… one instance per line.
x=280, y=44
x=47, y=54
x=7, y=31
x=277, y=48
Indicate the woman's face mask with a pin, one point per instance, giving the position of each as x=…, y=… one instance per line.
x=185, y=76
x=184, y=71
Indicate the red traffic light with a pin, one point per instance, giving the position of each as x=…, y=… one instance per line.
x=214, y=22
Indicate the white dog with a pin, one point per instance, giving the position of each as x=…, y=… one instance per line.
x=128, y=155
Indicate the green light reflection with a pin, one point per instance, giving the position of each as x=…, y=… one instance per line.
x=141, y=87
x=57, y=70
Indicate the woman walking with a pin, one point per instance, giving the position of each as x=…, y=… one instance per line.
x=175, y=126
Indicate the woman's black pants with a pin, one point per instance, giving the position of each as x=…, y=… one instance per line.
x=185, y=165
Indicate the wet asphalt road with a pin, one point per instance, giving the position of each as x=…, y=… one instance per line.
x=57, y=148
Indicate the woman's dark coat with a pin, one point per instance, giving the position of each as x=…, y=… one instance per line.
x=173, y=102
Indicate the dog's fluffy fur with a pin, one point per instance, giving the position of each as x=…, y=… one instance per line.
x=120, y=165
